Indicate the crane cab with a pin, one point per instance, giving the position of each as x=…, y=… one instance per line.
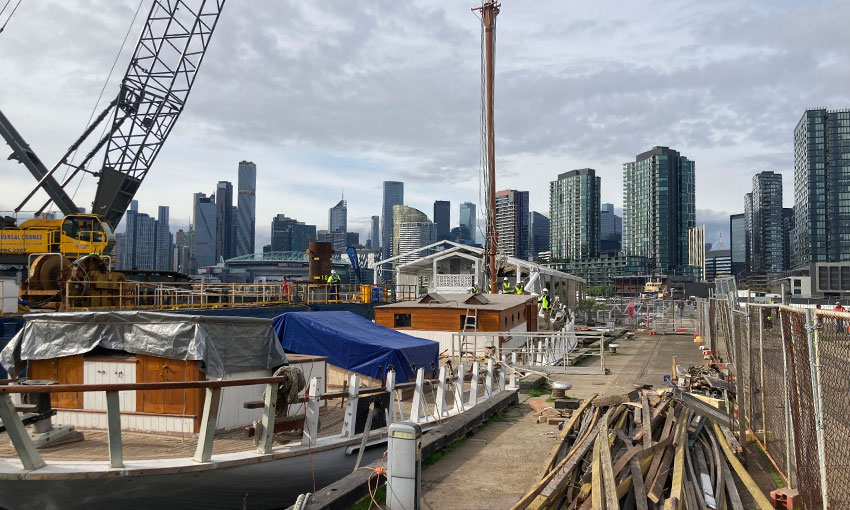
x=73, y=236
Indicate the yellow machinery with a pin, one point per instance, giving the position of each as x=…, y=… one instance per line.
x=58, y=252
x=654, y=289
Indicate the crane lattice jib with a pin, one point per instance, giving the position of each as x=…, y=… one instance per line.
x=153, y=93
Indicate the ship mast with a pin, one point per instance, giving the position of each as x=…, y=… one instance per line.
x=489, y=11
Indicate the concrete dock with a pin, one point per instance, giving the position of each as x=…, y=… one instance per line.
x=495, y=466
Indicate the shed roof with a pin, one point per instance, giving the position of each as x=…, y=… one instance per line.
x=494, y=302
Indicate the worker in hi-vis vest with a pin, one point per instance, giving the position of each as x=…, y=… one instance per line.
x=519, y=289
x=506, y=286
x=546, y=305
x=333, y=285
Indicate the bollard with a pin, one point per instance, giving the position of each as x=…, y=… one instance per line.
x=404, y=466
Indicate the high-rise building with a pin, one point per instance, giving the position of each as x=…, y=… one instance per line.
x=738, y=242
x=442, y=218
x=659, y=207
x=766, y=224
x=415, y=235
x=338, y=217
x=224, y=239
x=787, y=235
x=574, y=215
x=404, y=214
x=468, y=219
x=610, y=230
x=203, y=230
x=289, y=234
x=821, y=184
x=181, y=258
x=375, y=232
x=512, y=222
x=538, y=234
x=162, y=250
x=393, y=195
x=352, y=239
x=247, y=208
x=697, y=249
x=146, y=241
x=338, y=240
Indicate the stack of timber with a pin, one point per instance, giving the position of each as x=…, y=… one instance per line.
x=640, y=451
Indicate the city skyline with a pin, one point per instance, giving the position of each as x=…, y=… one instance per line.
x=696, y=103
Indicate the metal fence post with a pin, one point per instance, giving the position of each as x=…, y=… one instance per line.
x=790, y=458
x=813, y=337
x=761, y=362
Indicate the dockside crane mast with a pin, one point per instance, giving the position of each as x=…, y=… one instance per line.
x=151, y=97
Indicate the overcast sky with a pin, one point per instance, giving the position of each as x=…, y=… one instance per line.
x=339, y=96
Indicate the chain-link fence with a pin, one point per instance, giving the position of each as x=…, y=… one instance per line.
x=793, y=382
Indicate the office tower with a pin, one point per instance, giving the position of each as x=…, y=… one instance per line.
x=821, y=184
x=538, y=234
x=247, y=208
x=766, y=224
x=659, y=207
x=787, y=236
x=352, y=239
x=181, y=259
x=738, y=243
x=224, y=238
x=128, y=258
x=718, y=264
x=404, y=214
x=120, y=249
x=162, y=250
x=203, y=230
x=289, y=234
x=442, y=218
x=512, y=222
x=393, y=195
x=338, y=217
x=574, y=215
x=375, y=232
x=468, y=219
x=610, y=230
x=338, y=240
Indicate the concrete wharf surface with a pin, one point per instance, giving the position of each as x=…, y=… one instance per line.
x=494, y=467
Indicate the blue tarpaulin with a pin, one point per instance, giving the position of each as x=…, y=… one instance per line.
x=356, y=344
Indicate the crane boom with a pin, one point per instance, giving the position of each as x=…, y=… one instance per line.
x=152, y=96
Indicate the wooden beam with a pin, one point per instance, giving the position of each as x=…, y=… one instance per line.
x=637, y=482
x=203, y=452
x=568, y=428
x=17, y=433
x=113, y=429
x=597, y=481
x=611, y=500
x=753, y=488
x=646, y=421
x=679, y=463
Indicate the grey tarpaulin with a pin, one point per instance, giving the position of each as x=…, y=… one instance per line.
x=224, y=344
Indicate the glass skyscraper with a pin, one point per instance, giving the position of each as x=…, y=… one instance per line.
x=766, y=253
x=247, y=208
x=393, y=195
x=538, y=234
x=224, y=240
x=203, y=230
x=375, y=232
x=442, y=218
x=659, y=207
x=574, y=215
x=338, y=217
x=289, y=234
x=468, y=219
x=738, y=241
x=610, y=230
x=822, y=187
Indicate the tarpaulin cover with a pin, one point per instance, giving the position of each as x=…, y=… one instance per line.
x=356, y=344
x=225, y=344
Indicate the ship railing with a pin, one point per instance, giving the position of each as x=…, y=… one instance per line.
x=448, y=393
x=131, y=295
x=560, y=351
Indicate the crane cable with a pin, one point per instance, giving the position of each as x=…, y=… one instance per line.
x=10, y=14
x=100, y=96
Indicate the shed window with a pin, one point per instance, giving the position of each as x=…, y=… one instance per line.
x=402, y=320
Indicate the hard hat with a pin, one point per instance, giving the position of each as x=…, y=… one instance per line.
x=506, y=278
x=545, y=289
x=838, y=303
x=333, y=271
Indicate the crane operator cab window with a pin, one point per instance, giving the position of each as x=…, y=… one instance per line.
x=82, y=228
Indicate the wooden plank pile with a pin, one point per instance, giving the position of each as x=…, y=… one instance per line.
x=640, y=451
x=547, y=413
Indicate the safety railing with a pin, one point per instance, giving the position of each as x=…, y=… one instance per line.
x=131, y=295
x=792, y=392
x=558, y=350
x=432, y=401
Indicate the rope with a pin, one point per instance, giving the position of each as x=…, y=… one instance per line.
x=10, y=14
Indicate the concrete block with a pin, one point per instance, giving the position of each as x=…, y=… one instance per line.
x=786, y=499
